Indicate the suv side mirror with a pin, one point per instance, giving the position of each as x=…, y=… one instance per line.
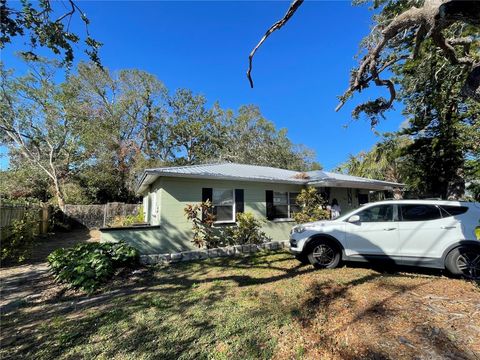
x=354, y=219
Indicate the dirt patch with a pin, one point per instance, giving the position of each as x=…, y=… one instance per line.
x=401, y=316
x=32, y=282
x=44, y=246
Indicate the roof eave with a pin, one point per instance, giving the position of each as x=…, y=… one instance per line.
x=374, y=185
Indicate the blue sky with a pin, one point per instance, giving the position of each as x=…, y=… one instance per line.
x=204, y=46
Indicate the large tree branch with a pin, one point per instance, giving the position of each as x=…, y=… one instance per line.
x=411, y=27
x=278, y=25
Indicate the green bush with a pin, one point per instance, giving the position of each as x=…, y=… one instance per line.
x=247, y=231
x=17, y=238
x=87, y=266
x=312, y=206
x=128, y=220
x=204, y=231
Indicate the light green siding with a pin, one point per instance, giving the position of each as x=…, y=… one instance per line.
x=176, y=193
x=168, y=197
x=173, y=195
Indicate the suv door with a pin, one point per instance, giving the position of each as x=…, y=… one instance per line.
x=423, y=231
x=375, y=234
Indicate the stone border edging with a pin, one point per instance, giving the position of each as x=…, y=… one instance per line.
x=201, y=254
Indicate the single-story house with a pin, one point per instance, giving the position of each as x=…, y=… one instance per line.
x=269, y=193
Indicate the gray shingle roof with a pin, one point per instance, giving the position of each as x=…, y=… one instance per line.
x=232, y=171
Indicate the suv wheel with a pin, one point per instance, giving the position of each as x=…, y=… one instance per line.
x=324, y=255
x=464, y=261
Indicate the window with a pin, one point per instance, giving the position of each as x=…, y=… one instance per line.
x=223, y=205
x=379, y=213
x=419, y=212
x=284, y=205
x=452, y=210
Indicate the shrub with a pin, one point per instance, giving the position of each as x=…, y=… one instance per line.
x=128, y=220
x=204, y=232
x=312, y=206
x=87, y=266
x=247, y=231
x=17, y=239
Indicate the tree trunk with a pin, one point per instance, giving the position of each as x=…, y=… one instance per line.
x=59, y=195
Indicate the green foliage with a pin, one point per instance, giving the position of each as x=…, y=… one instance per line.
x=107, y=127
x=128, y=220
x=206, y=234
x=442, y=123
x=385, y=161
x=87, y=266
x=247, y=231
x=41, y=26
x=18, y=238
x=474, y=189
x=312, y=206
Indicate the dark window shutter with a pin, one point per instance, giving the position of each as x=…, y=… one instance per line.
x=207, y=194
x=269, y=203
x=239, y=202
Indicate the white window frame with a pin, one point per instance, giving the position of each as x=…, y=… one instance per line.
x=234, y=209
x=289, y=215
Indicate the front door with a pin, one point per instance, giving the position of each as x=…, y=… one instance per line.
x=375, y=234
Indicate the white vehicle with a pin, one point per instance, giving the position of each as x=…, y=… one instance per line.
x=430, y=233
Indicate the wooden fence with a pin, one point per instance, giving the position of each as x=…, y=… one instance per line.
x=11, y=213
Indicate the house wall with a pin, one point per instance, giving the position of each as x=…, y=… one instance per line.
x=172, y=196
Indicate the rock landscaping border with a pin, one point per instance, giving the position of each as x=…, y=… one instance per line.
x=200, y=254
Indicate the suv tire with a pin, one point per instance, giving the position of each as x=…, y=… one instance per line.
x=303, y=258
x=323, y=254
x=464, y=261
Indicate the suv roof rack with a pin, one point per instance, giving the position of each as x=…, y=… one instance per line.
x=393, y=199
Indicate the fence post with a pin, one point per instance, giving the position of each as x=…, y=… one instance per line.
x=104, y=214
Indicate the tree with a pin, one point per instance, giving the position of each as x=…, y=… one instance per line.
x=443, y=124
x=401, y=28
x=193, y=132
x=40, y=27
x=128, y=110
x=250, y=138
x=38, y=123
x=385, y=161
x=103, y=129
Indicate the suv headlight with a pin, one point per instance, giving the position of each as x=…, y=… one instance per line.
x=298, y=229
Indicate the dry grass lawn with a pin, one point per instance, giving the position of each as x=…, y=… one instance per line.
x=260, y=307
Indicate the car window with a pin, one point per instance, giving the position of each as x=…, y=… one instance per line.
x=419, y=212
x=448, y=210
x=379, y=213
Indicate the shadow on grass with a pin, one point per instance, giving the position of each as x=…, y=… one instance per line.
x=187, y=309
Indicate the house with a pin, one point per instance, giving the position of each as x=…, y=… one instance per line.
x=269, y=193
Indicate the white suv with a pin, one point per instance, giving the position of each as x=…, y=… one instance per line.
x=431, y=233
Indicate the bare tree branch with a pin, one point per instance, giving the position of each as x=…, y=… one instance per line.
x=291, y=10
